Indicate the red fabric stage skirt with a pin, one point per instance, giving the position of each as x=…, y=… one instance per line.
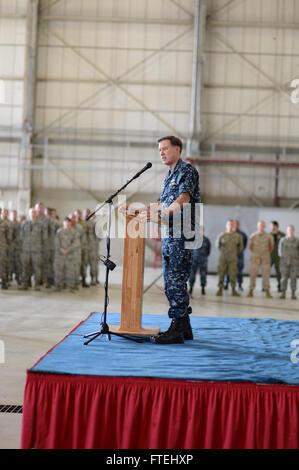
x=92, y=412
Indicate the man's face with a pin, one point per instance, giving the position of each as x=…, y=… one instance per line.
x=229, y=226
x=73, y=219
x=290, y=231
x=78, y=215
x=261, y=227
x=40, y=209
x=32, y=215
x=169, y=154
x=67, y=224
x=273, y=228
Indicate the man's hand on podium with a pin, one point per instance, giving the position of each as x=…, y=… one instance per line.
x=145, y=214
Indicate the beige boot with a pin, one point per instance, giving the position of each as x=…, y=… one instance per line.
x=250, y=293
x=283, y=295
x=268, y=295
x=235, y=293
x=219, y=292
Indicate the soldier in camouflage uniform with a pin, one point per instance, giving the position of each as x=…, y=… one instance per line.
x=240, y=262
x=66, y=241
x=32, y=237
x=181, y=186
x=230, y=244
x=77, y=253
x=200, y=263
x=8, y=255
x=44, y=220
x=277, y=236
x=53, y=227
x=4, y=249
x=261, y=244
x=288, y=251
x=84, y=246
x=16, y=263
x=93, y=247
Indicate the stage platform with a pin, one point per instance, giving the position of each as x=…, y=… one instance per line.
x=233, y=386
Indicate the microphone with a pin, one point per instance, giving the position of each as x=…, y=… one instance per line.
x=148, y=165
x=109, y=200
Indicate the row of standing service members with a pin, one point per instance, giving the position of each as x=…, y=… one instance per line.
x=36, y=246
x=267, y=249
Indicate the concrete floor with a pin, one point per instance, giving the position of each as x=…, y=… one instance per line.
x=32, y=322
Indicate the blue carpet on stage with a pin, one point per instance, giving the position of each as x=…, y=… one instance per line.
x=223, y=349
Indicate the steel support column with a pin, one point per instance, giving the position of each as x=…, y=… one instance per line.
x=192, y=146
x=25, y=153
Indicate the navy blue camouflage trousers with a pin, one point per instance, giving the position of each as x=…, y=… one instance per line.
x=177, y=262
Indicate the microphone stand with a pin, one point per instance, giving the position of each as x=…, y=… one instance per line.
x=109, y=267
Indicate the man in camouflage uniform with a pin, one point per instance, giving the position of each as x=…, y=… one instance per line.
x=44, y=220
x=8, y=255
x=66, y=242
x=77, y=253
x=84, y=246
x=261, y=244
x=93, y=247
x=4, y=253
x=277, y=236
x=181, y=186
x=230, y=244
x=53, y=227
x=288, y=251
x=32, y=237
x=200, y=263
x=16, y=263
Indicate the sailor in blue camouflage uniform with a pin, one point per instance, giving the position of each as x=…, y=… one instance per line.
x=200, y=263
x=181, y=186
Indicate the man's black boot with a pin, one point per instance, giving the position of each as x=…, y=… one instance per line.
x=187, y=329
x=203, y=290
x=183, y=324
x=174, y=334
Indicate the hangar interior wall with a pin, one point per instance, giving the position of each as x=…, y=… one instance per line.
x=87, y=86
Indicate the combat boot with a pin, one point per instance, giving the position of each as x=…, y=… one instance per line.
x=84, y=283
x=203, y=290
x=187, y=329
x=185, y=326
x=250, y=293
x=268, y=295
x=219, y=292
x=294, y=295
x=235, y=293
x=174, y=334
x=283, y=295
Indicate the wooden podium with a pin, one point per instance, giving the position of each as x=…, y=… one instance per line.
x=132, y=282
